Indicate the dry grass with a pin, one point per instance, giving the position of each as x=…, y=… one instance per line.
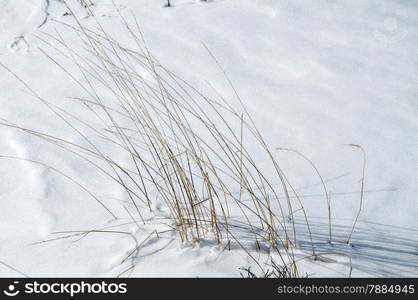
x=193, y=152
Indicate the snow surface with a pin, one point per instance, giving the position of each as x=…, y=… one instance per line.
x=315, y=76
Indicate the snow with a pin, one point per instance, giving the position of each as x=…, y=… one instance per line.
x=315, y=76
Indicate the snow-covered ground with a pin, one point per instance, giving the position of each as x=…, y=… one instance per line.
x=315, y=75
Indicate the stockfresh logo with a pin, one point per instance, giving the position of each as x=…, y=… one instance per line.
x=12, y=289
x=72, y=288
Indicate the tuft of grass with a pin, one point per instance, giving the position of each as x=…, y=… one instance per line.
x=194, y=153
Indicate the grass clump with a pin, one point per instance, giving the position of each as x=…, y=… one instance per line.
x=196, y=154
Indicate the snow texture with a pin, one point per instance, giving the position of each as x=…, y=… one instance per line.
x=315, y=75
